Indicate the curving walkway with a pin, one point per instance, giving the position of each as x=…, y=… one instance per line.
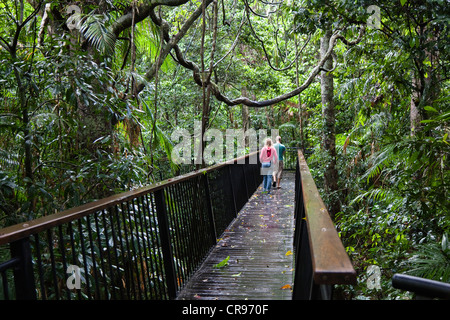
x=259, y=244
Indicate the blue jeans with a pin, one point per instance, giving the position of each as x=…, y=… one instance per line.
x=267, y=180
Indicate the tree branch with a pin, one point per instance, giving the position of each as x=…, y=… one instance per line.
x=142, y=12
x=172, y=44
x=258, y=104
x=252, y=103
x=262, y=42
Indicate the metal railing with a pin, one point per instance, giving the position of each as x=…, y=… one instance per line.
x=141, y=244
x=320, y=257
x=422, y=288
x=291, y=158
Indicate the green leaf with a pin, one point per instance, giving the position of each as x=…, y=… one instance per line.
x=402, y=2
x=429, y=108
x=222, y=263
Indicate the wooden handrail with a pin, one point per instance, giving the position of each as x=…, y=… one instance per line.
x=330, y=262
x=25, y=229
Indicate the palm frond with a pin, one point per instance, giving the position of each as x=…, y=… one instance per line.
x=430, y=262
x=94, y=29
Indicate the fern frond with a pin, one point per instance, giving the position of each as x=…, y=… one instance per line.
x=382, y=160
x=8, y=160
x=375, y=194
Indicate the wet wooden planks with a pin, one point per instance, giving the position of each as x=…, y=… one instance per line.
x=259, y=244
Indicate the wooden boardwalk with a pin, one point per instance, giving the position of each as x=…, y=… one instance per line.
x=259, y=244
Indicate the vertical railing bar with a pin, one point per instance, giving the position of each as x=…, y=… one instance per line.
x=195, y=225
x=180, y=226
x=72, y=244
x=108, y=253
x=52, y=260
x=232, y=189
x=152, y=247
x=39, y=266
x=188, y=188
x=130, y=263
x=146, y=227
x=188, y=262
x=185, y=237
x=142, y=254
x=206, y=216
x=160, y=247
x=125, y=250
x=212, y=227
x=150, y=243
x=175, y=234
x=94, y=264
x=163, y=224
x=63, y=255
x=100, y=253
x=83, y=253
x=198, y=214
x=245, y=180
x=253, y=168
x=255, y=175
x=5, y=284
x=138, y=260
x=195, y=241
x=157, y=240
x=116, y=246
x=203, y=237
x=143, y=251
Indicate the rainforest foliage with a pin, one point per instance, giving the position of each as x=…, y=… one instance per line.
x=90, y=92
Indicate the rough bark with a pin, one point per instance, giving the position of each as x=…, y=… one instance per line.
x=328, y=138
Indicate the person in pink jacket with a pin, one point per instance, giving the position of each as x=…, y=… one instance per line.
x=268, y=158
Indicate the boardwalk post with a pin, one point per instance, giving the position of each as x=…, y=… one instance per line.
x=303, y=285
x=23, y=272
x=164, y=233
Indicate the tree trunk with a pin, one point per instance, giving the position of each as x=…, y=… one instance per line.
x=328, y=143
x=414, y=113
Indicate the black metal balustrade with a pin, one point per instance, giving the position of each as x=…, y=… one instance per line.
x=147, y=243
x=141, y=244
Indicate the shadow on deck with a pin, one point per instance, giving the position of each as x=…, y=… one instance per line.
x=259, y=244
